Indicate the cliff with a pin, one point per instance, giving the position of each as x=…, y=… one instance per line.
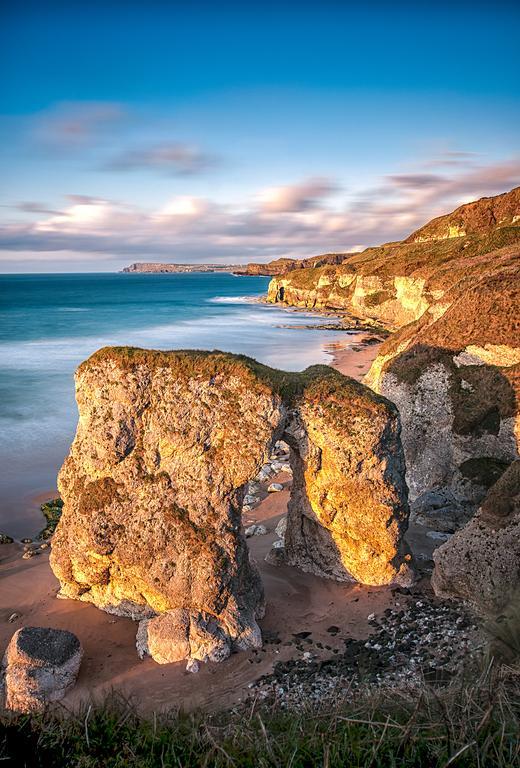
x=154, y=484
x=283, y=265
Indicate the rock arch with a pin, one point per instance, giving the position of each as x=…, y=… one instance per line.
x=154, y=482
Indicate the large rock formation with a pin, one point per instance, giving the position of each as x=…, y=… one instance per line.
x=155, y=479
x=39, y=666
x=481, y=562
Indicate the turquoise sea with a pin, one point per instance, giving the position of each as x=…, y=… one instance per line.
x=50, y=323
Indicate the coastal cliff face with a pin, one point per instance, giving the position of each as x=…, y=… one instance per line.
x=456, y=381
x=154, y=483
x=397, y=282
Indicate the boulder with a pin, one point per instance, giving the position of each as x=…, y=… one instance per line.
x=276, y=555
x=177, y=635
x=155, y=480
x=255, y=530
x=39, y=666
x=481, y=562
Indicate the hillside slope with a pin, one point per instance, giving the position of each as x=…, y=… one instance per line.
x=397, y=282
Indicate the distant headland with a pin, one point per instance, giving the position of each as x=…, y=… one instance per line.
x=151, y=266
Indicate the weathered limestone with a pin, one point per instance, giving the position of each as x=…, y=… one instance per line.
x=347, y=512
x=154, y=484
x=39, y=666
x=481, y=562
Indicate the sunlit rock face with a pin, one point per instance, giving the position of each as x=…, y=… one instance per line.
x=481, y=562
x=154, y=483
x=348, y=509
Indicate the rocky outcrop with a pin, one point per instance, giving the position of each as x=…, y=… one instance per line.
x=155, y=480
x=283, y=265
x=456, y=381
x=481, y=562
x=39, y=666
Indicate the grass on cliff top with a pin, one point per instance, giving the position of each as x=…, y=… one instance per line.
x=314, y=383
x=441, y=262
x=463, y=726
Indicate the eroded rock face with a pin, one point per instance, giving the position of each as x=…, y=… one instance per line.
x=481, y=562
x=39, y=666
x=154, y=484
x=348, y=511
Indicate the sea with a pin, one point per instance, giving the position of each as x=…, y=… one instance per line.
x=49, y=323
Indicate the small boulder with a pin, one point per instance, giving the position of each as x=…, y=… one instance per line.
x=275, y=487
x=255, y=530
x=276, y=555
x=39, y=666
x=177, y=635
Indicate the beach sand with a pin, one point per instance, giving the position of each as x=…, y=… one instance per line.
x=296, y=602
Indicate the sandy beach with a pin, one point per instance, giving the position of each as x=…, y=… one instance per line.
x=296, y=602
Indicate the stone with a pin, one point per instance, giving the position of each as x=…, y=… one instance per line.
x=192, y=666
x=5, y=539
x=40, y=666
x=154, y=484
x=275, y=487
x=481, y=562
x=255, y=530
x=276, y=555
x=176, y=635
x=281, y=527
x=250, y=500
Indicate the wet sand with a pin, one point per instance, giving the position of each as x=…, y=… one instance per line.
x=296, y=602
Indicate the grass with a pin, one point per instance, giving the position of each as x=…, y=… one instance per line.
x=465, y=725
x=52, y=512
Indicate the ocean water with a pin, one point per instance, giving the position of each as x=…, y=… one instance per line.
x=50, y=323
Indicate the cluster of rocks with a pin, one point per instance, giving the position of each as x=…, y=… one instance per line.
x=421, y=639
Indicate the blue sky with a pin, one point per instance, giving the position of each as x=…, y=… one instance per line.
x=233, y=132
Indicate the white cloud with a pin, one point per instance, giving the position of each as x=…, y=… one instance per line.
x=293, y=220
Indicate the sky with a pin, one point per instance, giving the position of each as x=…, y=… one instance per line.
x=232, y=132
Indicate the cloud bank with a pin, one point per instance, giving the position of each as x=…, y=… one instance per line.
x=291, y=220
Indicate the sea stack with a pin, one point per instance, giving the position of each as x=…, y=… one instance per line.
x=155, y=479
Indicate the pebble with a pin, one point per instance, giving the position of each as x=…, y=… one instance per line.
x=192, y=666
x=427, y=638
x=275, y=487
x=13, y=617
